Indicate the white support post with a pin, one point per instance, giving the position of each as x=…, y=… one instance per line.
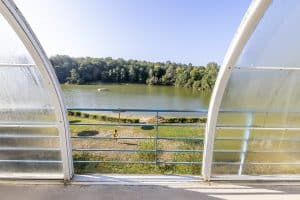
x=246, y=28
x=246, y=137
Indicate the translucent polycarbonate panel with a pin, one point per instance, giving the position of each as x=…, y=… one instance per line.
x=275, y=42
x=262, y=169
x=258, y=124
x=28, y=131
x=23, y=169
x=24, y=97
x=255, y=150
x=12, y=51
x=29, y=142
x=261, y=98
x=37, y=155
x=29, y=136
x=220, y=168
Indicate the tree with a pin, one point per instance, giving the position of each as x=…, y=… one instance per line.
x=88, y=70
x=74, y=78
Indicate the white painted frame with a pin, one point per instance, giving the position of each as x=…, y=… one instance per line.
x=252, y=17
x=18, y=23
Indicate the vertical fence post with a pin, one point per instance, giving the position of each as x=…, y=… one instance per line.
x=245, y=142
x=156, y=137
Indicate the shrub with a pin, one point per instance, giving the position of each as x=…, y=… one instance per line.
x=184, y=120
x=86, y=115
x=70, y=112
x=93, y=116
x=78, y=114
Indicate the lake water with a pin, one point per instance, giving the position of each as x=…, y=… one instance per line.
x=137, y=96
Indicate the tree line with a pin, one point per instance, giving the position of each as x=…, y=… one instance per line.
x=90, y=70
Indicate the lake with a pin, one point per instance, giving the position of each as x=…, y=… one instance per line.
x=137, y=96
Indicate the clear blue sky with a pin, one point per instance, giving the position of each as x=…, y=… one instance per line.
x=187, y=31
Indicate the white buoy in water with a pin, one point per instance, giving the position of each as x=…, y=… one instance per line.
x=102, y=89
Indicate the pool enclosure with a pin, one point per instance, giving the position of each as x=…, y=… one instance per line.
x=253, y=124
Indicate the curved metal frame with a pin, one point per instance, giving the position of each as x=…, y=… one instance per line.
x=18, y=23
x=252, y=17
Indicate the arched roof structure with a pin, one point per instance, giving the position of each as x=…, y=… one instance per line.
x=253, y=120
x=34, y=129
x=254, y=109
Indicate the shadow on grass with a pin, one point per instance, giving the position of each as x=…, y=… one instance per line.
x=147, y=127
x=88, y=133
x=74, y=121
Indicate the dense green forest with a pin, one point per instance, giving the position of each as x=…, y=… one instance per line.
x=90, y=70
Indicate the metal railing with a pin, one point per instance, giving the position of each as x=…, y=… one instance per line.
x=236, y=155
x=243, y=151
x=230, y=155
x=156, y=138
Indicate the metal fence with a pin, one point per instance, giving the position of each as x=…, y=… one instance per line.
x=156, y=138
x=233, y=158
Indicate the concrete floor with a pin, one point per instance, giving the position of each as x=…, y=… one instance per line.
x=147, y=187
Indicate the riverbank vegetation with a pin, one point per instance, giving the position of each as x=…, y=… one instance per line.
x=103, y=117
x=89, y=70
x=135, y=119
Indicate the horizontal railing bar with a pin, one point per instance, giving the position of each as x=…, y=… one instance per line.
x=180, y=138
x=110, y=124
x=113, y=150
x=138, y=150
x=113, y=138
x=133, y=162
x=30, y=161
x=259, y=138
x=237, y=151
x=180, y=163
x=137, y=124
x=201, y=111
x=137, y=110
x=197, y=124
x=135, y=138
x=34, y=125
x=201, y=125
x=257, y=128
x=27, y=136
x=16, y=65
x=226, y=163
x=27, y=149
x=181, y=151
x=113, y=162
x=256, y=163
x=279, y=163
x=267, y=68
x=176, y=138
x=27, y=109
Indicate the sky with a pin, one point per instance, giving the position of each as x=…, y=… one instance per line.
x=185, y=31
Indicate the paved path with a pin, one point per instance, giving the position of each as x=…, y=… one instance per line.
x=150, y=187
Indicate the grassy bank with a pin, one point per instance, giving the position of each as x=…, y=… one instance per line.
x=112, y=142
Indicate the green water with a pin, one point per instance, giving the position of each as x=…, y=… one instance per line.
x=134, y=96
